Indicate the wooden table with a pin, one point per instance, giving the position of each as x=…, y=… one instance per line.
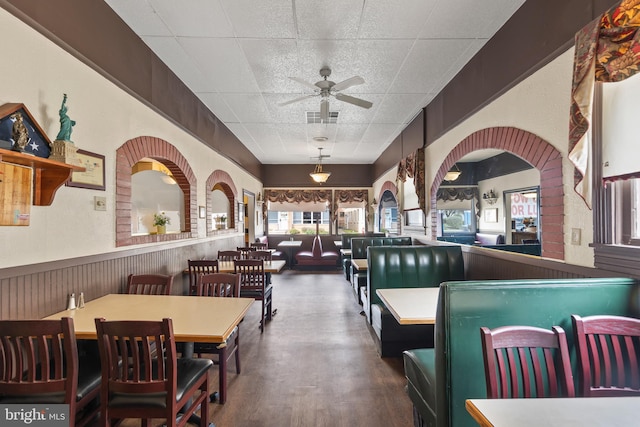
x=195, y=319
x=273, y=266
x=289, y=245
x=411, y=306
x=360, y=264
x=556, y=412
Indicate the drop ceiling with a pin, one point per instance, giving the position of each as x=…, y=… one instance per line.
x=238, y=56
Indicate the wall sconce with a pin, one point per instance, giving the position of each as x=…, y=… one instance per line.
x=259, y=200
x=491, y=197
x=374, y=204
x=453, y=174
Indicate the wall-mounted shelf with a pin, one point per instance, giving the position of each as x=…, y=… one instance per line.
x=48, y=175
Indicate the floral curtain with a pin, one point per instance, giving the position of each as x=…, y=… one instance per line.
x=607, y=50
x=295, y=196
x=413, y=166
x=348, y=196
x=459, y=193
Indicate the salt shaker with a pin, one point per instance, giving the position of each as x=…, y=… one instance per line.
x=72, y=302
x=81, y=300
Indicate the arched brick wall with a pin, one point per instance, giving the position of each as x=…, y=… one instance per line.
x=542, y=155
x=388, y=186
x=127, y=155
x=223, y=180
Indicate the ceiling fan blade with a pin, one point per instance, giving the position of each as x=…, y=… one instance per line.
x=353, y=81
x=304, y=83
x=302, y=98
x=324, y=110
x=352, y=100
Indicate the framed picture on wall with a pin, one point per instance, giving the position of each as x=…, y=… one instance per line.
x=491, y=215
x=93, y=176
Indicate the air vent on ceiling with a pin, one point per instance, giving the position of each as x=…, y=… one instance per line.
x=313, y=117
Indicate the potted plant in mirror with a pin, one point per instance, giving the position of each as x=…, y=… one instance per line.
x=222, y=222
x=160, y=221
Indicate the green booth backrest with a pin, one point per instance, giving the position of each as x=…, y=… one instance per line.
x=464, y=307
x=346, y=238
x=411, y=267
x=359, y=245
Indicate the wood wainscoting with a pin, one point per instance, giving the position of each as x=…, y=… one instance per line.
x=38, y=290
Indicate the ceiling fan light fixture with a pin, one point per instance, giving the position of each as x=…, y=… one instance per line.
x=318, y=175
x=453, y=174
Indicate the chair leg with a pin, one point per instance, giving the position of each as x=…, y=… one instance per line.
x=204, y=407
x=222, y=365
x=262, y=318
x=238, y=351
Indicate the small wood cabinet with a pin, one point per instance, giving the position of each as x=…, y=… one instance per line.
x=48, y=175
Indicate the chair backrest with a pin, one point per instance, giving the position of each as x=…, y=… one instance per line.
x=131, y=355
x=228, y=255
x=526, y=361
x=263, y=255
x=198, y=267
x=252, y=277
x=39, y=359
x=244, y=251
x=259, y=245
x=608, y=351
x=149, y=284
x=219, y=285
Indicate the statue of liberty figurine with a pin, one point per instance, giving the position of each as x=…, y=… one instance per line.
x=66, y=124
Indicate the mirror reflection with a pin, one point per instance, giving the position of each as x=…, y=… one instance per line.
x=492, y=202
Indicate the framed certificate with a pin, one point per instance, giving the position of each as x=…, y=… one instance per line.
x=93, y=176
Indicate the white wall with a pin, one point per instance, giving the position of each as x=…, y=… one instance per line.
x=540, y=105
x=36, y=72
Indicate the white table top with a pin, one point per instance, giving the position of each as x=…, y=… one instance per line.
x=345, y=251
x=411, y=306
x=552, y=412
x=195, y=319
x=290, y=243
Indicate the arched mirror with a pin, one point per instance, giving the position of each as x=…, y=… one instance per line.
x=491, y=200
x=157, y=202
x=388, y=213
x=220, y=208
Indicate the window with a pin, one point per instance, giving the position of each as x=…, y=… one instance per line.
x=294, y=222
x=351, y=220
x=456, y=221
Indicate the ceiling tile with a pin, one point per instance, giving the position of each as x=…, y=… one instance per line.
x=193, y=18
x=261, y=19
x=333, y=19
x=385, y=19
x=140, y=17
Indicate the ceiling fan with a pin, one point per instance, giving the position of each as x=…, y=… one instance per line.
x=326, y=88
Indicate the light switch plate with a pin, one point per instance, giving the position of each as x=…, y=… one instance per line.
x=575, y=236
x=100, y=203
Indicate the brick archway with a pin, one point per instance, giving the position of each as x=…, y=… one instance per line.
x=539, y=153
x=388, y=186
x=221, y=180
x=127, y=155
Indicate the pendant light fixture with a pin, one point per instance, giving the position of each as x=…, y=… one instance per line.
x=318, y=175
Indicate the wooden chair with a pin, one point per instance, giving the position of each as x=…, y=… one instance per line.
x=608, y=351
x=39, y=365
x=149, y=284
x=263, y=255
x=198, y=267
x=525, y=361
x=229, y=255
x=140, y=383
x=258, y=245
x=221, y=285
x=244, y=251
x=253, y=284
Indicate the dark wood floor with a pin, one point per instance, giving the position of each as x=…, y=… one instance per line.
x=315, y=364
